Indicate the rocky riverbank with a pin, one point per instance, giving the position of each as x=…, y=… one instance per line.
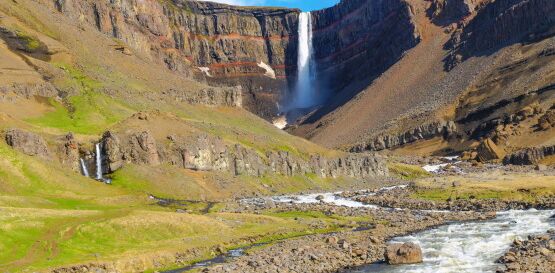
x=404, y=198
x=537, y=254
x=364, y=244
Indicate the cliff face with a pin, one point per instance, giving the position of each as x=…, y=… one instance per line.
x=255, y=48
x=216, y=43
x=206, y=153
x=502, y=23
x=356, y=40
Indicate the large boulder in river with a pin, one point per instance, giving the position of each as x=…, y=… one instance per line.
x=407, y=253
x=27, y=142
x=488, y=150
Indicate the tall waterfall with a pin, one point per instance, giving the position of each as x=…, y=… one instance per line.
x=98, y=162
x=304, y=93
x=84, y=168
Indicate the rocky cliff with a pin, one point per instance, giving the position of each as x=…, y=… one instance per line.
x=254, y=48
x=357, y=40
x=502, y=23
x=206, y=153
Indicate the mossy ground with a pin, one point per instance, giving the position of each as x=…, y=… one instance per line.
x=494, y=185
x=406, y=171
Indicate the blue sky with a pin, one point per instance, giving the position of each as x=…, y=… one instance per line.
x=305, y=5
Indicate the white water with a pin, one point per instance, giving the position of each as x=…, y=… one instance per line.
x=84, y=168
x=331, y=198
x=304, y=94
x=98, y=162
x=470, y=247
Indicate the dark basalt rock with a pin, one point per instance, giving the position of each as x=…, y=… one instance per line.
x=424, y=131
x=529, y=156
x=208, y=153
x=27, y=142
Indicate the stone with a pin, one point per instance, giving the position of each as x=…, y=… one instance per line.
x=407, y=253
x=27, y=142
x=320, y=197
x=541, y=167
x=488, y=150
x=331, y=240
x=547, y=120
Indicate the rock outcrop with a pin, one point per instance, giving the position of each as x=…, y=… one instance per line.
x=208, y=153
x=547, y=120
x=426, y=131
x=502, y=23
x=452, y=11
x=27, y=143
x=529, y=156
x=488, y=150
x=407, y=253
x=68, y=152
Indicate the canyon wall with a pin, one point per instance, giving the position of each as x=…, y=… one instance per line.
x=499, y=24
x=219, y=44
x=255, y=47
x=357, y=40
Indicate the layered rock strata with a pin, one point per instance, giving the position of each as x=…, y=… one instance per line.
x=254, y=48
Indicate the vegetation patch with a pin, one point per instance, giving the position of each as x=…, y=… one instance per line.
x=406, y=171
x=88, y=112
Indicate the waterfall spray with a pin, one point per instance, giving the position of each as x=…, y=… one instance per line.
x=98, y=162
x=304, y=93
x=84, y=168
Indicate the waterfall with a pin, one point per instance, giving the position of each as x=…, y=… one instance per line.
x=98, y=162
x=305, y=96
x=84, y=168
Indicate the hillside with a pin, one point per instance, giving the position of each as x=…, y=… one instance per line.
x=170, y=142
x=457, y=73
x=137, y=135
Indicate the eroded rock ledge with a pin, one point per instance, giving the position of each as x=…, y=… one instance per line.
x=424, y=131
x=207, y=153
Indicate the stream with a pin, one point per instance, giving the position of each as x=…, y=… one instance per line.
x=469, y=247
x=454, y=248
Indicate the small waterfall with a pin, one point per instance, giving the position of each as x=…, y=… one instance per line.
x=84, y=168
x=98, y=162
x=304, y=94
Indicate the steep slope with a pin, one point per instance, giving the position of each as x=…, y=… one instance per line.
x=218, y=44
x=459, y=83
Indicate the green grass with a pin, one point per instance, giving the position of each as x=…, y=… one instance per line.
x=406, y=171
x=521, y=187
x=89, y=112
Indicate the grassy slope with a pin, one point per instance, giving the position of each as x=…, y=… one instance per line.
x=52, y=217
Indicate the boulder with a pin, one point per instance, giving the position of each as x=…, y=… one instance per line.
x=547, y=120
x=488, y=150
x=27, y=143
x=68, y=152
x=407, y=253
